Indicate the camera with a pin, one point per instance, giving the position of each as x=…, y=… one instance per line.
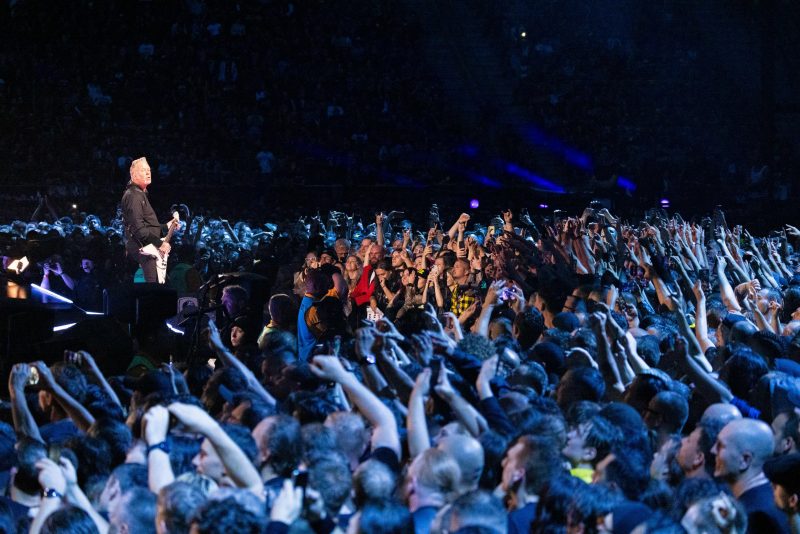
x=33, y=376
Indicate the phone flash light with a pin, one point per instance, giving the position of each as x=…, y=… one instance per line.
x=74, y=206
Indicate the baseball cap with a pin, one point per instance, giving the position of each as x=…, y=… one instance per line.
x=150, y=382
x=731, y=319
x=785, y=471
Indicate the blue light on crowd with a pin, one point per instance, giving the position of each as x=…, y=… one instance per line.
x=626, y=183
x=513, y=168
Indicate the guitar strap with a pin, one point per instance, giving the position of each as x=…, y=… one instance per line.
x=133, y=235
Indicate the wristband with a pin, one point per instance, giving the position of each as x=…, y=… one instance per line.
x=50, y=493
x=161, y=446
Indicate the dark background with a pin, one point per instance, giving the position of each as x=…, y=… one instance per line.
x=396, y=104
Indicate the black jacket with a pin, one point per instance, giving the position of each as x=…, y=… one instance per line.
x=141, y=225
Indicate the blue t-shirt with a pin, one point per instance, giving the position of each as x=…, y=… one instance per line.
x=58, y=431
x=305, y=339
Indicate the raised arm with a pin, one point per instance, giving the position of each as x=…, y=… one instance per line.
x=481, y=326
x=418, y=437
x=243, y=473
x=84, y=358
x=725, y=289
x=700, y=317
x=57, y=270
x=462, y=219
x=155, y=426
x=77, y=497
x=693, y=346
x=24, y=423
x=466, y=413
x=379, y=237
x=53, y=482
x=77, y=412
x=384, y=433
x=215, y=343
x=607, y=364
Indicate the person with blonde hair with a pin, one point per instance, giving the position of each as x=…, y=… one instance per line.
x=433, y=481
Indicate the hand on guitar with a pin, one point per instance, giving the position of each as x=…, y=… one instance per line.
x=175, y=222
x=164, y=249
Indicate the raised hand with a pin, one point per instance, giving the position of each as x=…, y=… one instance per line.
x=424, y=348
x=46, y=377
x=697, y=289
x=328, y=368
x=443, y=387
x=388, y=329
x=422, y=385
x=18, y=378
x=365, y=341
x=288, y=504
x=155, y=424
x=488, y=370
x=194, y=418
x=69, y=471
x=792, y=231
x=51, y=476
x=214, y=338
x=493, y=292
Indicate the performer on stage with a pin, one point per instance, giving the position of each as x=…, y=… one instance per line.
x=141, y=224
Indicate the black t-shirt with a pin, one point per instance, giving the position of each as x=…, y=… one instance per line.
x=762, y=514
x=387, y=456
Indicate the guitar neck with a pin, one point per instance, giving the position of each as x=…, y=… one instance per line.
x=170, y=232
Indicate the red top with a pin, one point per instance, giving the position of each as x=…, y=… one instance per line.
x=364, y=287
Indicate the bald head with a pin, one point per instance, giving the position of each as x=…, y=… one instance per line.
x=468, y=454
x=749, y=437
x=721, y=412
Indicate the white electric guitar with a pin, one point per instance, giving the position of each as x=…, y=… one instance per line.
x=161, y=259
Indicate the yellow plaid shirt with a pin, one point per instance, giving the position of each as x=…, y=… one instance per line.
x=460, y=300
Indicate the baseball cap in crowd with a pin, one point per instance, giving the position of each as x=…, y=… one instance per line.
x=731, y=319
x=566, y=321
x=629, y=515
x=784, y=471
x=550, y=355
x=623, y=416
x=150, y=382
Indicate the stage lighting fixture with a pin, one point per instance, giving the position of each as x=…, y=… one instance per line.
x=173, y=329
x=474, y=203
x=51, y=294
x=17, y=266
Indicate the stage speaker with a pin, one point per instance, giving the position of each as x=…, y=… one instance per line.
x=23, y=324
x=107, y=340
x=140, y=304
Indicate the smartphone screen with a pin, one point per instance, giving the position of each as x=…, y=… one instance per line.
x=436, y=368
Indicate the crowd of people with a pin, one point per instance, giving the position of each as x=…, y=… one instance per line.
x=517, y=374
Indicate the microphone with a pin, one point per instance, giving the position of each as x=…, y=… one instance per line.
x=213, y=281
x=203, y=311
